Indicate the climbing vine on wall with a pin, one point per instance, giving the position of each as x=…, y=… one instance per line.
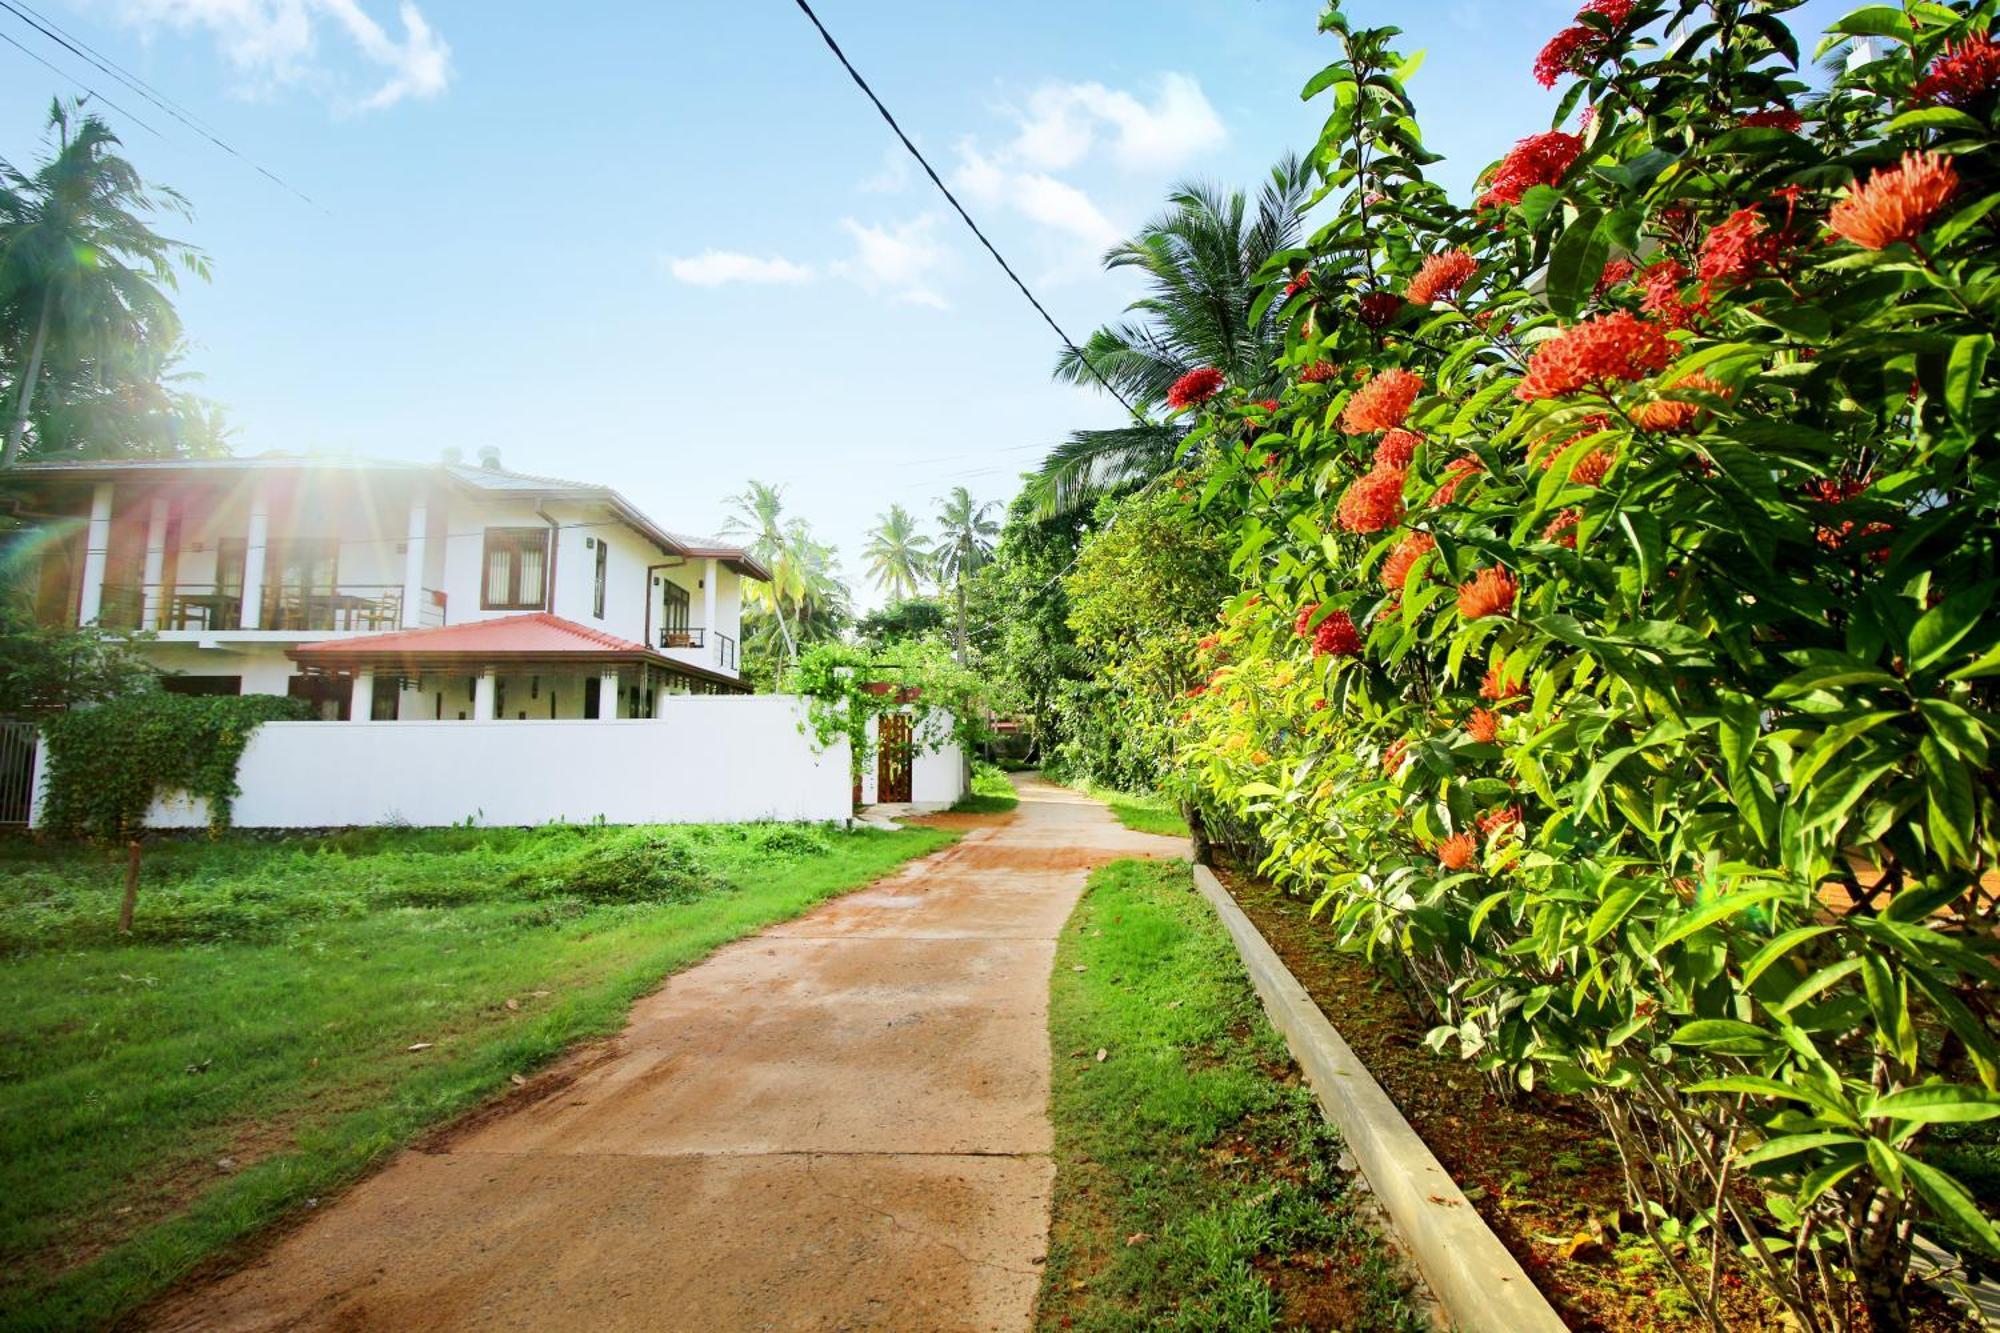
x=107, y=763
x=846, y=687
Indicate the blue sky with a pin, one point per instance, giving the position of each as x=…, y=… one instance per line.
x=666, y=246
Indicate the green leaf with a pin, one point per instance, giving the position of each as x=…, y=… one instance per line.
x=1761, y=961
x=1941, y=627
x=1325, y=79
x=1791, y=1145
x=1828, y=677
x=1935, y=118
x=1576, y=263
x=1936, y=1104
x=1718, y=909
x=1948, y=1199
x=1964, y=373
x=1613, y=910
x=1875, y=21
x=1726, y=1036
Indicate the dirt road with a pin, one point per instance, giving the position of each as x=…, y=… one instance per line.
x=840, y=1123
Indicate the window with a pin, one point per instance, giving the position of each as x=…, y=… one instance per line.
x=674, y=608
x=201, y=685
x=516, y=567
x=598, y=579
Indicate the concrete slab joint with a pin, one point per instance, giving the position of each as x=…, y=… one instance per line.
x=1475, y=1279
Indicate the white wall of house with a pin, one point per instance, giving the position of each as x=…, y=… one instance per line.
x=263, y=667
x=707, y=759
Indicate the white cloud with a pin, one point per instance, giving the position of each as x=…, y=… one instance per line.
x=900, y=260
x=1062, y=123
x=276, y=43
x=894, y=175
x=1037, y=196
x=713, y=268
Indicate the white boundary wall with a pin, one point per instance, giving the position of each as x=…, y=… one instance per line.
x=939, y=775
x=706, y=759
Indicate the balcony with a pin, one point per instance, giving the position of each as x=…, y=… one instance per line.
x=723, y=653
x=346, y=607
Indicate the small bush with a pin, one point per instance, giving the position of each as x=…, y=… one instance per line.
x=650, y=867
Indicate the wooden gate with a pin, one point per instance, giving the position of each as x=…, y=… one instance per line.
x=17, y=770
x=892, y=758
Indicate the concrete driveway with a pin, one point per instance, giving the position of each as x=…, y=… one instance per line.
x=841, y=1123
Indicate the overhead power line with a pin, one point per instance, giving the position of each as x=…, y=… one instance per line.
x=82, y=50
x=952, y=199
x=71, y=78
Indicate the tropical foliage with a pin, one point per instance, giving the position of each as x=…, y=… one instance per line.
x=966, y=535
x=1616, y=653
x=88, y=336
x=1201, y=260
x=898, y=556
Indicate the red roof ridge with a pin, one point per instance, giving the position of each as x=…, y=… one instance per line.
x=533, y=631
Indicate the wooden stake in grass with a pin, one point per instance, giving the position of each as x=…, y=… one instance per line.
x=131, y=888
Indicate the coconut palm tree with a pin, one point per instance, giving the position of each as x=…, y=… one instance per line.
x=967, y=532
x=79, y=268
x=805, y=597
x=1201, y=259
x=898, y=556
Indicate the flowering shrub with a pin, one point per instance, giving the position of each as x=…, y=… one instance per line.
x=1654, y=739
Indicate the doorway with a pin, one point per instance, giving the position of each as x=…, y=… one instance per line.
x=892, y=758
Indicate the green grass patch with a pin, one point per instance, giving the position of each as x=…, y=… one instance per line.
x=250, y=1046
x=1142, y=812
x=1196, y=1181
x=991, y=793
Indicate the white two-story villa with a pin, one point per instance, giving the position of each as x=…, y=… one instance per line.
x=384, y=590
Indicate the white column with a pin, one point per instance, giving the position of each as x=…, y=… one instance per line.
x=483, y=695
x=607, y=695
x=256, y=537
x=710, y=628
x=96, y=555
x=361, y=702
x=156, y=563
x=413, y=562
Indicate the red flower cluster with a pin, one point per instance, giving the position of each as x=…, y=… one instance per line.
x=1963, y=75
x=1590, y=469
x=1896, y=203
x=1490, y=592
x=1562, y=529
x=1456, y=473
x=1392, y=758
x=1382, y=403
x=1304, y=624
x=1738, y=248
x=1319, y=372
x=1483, y=726
x=1668, y=416
x=1441, y=277
x=1300, y=281
x=1617, y=346
x=1539, y=159
x=1458, y=851
x=1337, y=637
x=1374, y=502
x=1499, y=687
x=1616, y=272
x=1195, y=388
x=1396, y=569
x=1838, y=490
x=1378, y=310
x=1397, y=448
x=1578, y=48
x=1775, y=118
x=1500, y=821
x=1660, y=295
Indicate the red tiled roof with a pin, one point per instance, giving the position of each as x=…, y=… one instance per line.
x=537, y=634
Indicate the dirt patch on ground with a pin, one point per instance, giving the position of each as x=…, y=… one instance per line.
x=1536, y=1166
x=960, y=823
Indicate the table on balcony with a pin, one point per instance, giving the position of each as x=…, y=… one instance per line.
x=205, y=610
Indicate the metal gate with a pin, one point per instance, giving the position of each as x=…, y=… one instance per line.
x=892, y=761
x=17, y=771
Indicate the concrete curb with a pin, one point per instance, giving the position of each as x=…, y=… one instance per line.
x=1470, y=1272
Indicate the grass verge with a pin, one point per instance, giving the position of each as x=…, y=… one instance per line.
x=290, y=1011
x=1196, y=1181
x=991, y=793
x=1142, y=812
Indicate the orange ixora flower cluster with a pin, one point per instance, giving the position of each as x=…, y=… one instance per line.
x=1397, y=448
x=1500, y=687
x=1896, y=203
x=1337, y=636
x=1597, y=352
x=1500, y=821
x=1441, y=277
x=1458, y=852
x=1539, y=159
x=1483, y=726
x=1675, y=416
x=1319, y=372
x=1373, y=503
x=1456, y=474
x=1382, y=403
x=1396, y=569
x=1490, y=592
x=1392, y=758
x=1562, y=528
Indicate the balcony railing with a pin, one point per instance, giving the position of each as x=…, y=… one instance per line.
x=697, y=637
x=198, y=606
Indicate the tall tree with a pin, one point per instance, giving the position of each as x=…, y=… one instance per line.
x=967, y=533
x=1201, y=259
x=805, y=600
x=81, y=272
x=898, y=556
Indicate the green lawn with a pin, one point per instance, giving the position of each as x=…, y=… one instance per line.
x=991, y=793
x=1142, y=812
x=1196, y=1181
x=289, y=1010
